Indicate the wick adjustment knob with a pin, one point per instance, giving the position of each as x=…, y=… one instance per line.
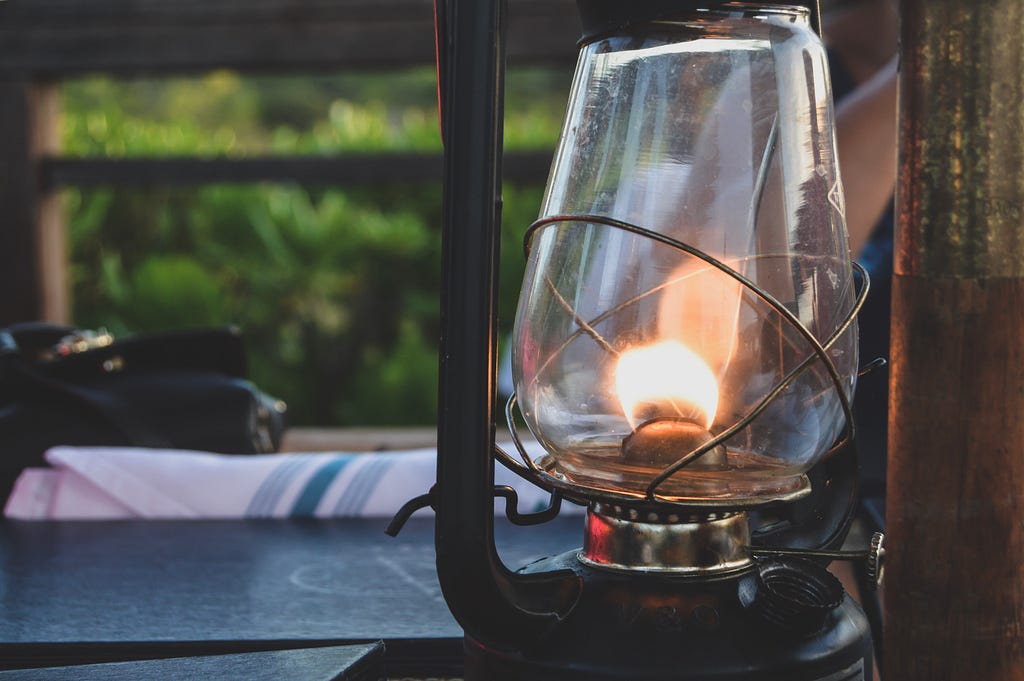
x=876, y=559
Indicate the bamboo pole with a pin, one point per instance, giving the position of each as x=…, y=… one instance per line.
x=954, y=602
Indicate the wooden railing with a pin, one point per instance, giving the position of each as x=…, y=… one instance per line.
x=43, y=42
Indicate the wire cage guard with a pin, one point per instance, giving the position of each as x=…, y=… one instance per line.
x=529, y=469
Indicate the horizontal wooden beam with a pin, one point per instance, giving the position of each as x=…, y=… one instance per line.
x=55, y=38
x=376, y=169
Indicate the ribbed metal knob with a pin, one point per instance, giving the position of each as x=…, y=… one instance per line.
x=876, y=559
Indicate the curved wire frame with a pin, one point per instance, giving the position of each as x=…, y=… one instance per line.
x=820, y=352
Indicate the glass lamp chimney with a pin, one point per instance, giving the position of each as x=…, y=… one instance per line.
x=691, y=143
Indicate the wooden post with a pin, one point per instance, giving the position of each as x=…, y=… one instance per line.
x=32, y=242
x=954, y=597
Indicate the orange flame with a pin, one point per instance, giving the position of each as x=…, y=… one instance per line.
x=670, y=377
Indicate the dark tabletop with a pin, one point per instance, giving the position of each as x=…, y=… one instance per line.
x=79, y=592
x=357, y=662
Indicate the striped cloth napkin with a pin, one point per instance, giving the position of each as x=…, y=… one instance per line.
x=110, y=483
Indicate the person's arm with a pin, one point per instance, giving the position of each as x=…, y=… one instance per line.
x=866, y=140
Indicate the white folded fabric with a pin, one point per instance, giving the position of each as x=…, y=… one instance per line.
x=109, y=483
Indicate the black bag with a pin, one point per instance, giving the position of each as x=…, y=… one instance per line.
x=180, y=390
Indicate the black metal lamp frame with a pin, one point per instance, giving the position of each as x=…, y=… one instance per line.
x=485, y=597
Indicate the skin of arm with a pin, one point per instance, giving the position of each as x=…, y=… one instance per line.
x=866, y=140
x=864, y=35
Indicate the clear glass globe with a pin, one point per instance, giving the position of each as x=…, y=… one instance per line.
x=714, y=130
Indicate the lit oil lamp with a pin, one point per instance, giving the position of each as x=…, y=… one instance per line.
x=684, y=352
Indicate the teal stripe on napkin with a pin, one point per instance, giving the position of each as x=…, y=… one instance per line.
x=362, y=485
x=272, y=489
x=313, y=492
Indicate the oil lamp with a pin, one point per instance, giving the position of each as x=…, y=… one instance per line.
x=685, y=353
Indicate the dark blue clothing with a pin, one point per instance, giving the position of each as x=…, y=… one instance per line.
x=871, y=402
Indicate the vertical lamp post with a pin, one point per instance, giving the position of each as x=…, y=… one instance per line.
x=954, y=598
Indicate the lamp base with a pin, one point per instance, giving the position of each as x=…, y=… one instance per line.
x=778, y=622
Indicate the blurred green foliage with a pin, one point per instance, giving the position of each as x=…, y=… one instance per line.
x=335, y=289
